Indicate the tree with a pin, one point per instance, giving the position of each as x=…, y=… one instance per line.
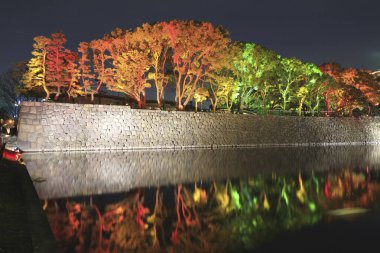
x=220, y=80
x=35, y=76
x=254, y=71
x=83, y=80
x=158, y=46
x=101, y=50
x=55, y=64
x=353, y=88
x=195, y=47
x=310, y=93
x=243, y=71
x=363, y=81
x=51, y=66
x=265, y=78
x=289, y=75
x=129, y=54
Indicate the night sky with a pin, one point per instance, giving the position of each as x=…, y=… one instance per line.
x=317, y=31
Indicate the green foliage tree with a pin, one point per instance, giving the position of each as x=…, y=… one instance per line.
x=220, y=80
x=254, y=71
x=290, y=74
x=310, y=92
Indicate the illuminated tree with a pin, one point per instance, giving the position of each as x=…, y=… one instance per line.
x=220, y=81
x=101, y=60
x=243, y=65
x=363, y=81
x=266, y=79
x=310, y=92
x=71, y=74
x=289, y=76
x=195, y=47
x=35, y=76
x=158, y=45
x=255, y=76
x=130, y=60
x=351, y=89
x=52, y=67
x=61, y=72
x=83, y=79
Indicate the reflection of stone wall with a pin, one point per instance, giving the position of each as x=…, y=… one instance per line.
x=55, y=127
x=87, y=173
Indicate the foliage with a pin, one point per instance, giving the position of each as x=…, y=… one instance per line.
x=195, y=47
x=254, y=70
x=194, y=57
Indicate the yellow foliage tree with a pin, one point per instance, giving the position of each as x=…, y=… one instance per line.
x=35, y=76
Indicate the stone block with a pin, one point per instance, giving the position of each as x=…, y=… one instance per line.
x=24, y=109
x=33, y=110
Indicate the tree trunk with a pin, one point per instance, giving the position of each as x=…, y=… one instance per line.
x=214, y=107
x=241, y=105
x=158, y=97
x=47, y=94
x=327, y=102
x=284, y=103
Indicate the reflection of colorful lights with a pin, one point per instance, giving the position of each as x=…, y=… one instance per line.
x=244, y=210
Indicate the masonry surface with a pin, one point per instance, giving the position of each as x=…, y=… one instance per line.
x=59, y=127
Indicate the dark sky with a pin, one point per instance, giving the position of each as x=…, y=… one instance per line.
x=344, y=31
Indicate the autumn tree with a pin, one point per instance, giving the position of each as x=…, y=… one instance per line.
x=352, y=88
x=158, y=46
x=365, y=82
x=220, y=80
x=195, y=47
x=130, y=61
x=51, y=67
x=101, y=50
x=35, y=76
x=83, y=78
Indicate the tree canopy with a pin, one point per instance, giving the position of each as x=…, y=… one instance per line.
x=202, y=63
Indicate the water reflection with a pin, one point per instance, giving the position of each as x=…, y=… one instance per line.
x=213, y=216
x=76, y=174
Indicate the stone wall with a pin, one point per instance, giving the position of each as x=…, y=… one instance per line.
x=57, y=127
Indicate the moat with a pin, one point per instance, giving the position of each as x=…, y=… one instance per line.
x=203, y=200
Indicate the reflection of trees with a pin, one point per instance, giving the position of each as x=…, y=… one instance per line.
x=209, y=217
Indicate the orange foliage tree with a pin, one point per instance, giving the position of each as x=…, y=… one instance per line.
x=129, y=59
x=349, y=88
x=158, y=46
x=35, y=75
x=84, y=78
x=53, y=66
x=195, y=47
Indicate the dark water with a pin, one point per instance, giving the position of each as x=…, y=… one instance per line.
x=253, y=200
